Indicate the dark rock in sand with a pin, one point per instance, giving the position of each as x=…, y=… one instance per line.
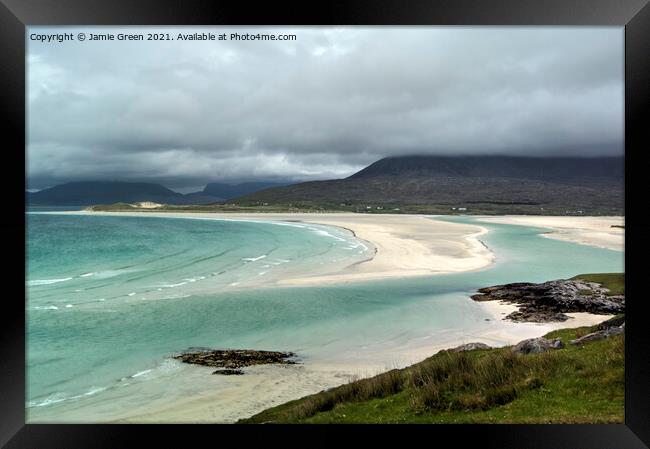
x=530, y=316
x=612, y=322
x=600, y=335
x=537, y=345
x=470, y=347
x=234, y=358
x=549, y=301
x=228, y=372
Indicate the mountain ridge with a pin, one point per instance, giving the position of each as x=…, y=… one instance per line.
x=408, y=184
x=85, y=193
x=479, y=184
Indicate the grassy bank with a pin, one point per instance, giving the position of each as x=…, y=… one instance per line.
x=365, y=208
x=577, y=384
x=615, y=282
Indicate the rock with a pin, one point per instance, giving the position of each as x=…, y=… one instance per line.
x=599, y=335
x=228, y=372
x=549, y=301
x=537, y=345
x=530, y=316
x=612, y=322
x=470, y=347
x=234, y=358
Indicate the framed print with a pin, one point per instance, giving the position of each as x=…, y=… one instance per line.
x=380, y=214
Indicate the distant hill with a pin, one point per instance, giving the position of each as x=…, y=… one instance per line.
x=107, y=192
x=229, y=191
x=102, y=192
x=559, y=169
x=479, y=184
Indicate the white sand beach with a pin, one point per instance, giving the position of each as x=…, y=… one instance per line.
x=405, y=245
x=603, y=232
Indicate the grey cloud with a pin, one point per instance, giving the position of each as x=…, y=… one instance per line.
x=335, y=100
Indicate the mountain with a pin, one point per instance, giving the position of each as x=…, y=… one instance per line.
x=108, y=192
x=560, y=169
x=480, y=184
x=229, y=191
x=102, y=192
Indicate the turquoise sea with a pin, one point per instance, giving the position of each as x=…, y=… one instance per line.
x=110, y=298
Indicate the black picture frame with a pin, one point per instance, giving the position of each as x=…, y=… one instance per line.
x=634, y=15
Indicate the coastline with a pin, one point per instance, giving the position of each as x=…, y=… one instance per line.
x=593, y=231
x=420, y=247
x=404, y=245
x=266, y=386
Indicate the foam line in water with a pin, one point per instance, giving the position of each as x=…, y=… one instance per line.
x=326, y=234
x=35, y=282
x=57, y=397
x=253, y=259
x=173, y=285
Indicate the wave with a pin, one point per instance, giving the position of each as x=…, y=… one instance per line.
x=45, y=308
x=85, y=275
x=112, y=273
x=198, y=278
x=173, y=285
x=36, y=282
x=278, y=223
x=57, y=397
x=141, y=373
x=164, y=368
x=326, y=234
x=253, y=259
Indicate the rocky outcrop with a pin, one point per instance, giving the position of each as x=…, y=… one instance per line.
x=234, y=359
x=549, y=301
x=612, y=322
x=470, y=347
x=537, y=345
x=600, y=335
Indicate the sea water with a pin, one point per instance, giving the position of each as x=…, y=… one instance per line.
x=111, y=298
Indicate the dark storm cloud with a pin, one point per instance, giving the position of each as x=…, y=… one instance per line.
x=335, y=100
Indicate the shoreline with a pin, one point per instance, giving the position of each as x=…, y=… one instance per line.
x=601, y=232
x=404, y=245
x=399, y=252
x=284, y=383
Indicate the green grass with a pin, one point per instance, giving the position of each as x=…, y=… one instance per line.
x=577, y=384
x=615, y=282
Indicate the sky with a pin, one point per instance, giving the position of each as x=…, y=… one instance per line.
x=334, y=100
